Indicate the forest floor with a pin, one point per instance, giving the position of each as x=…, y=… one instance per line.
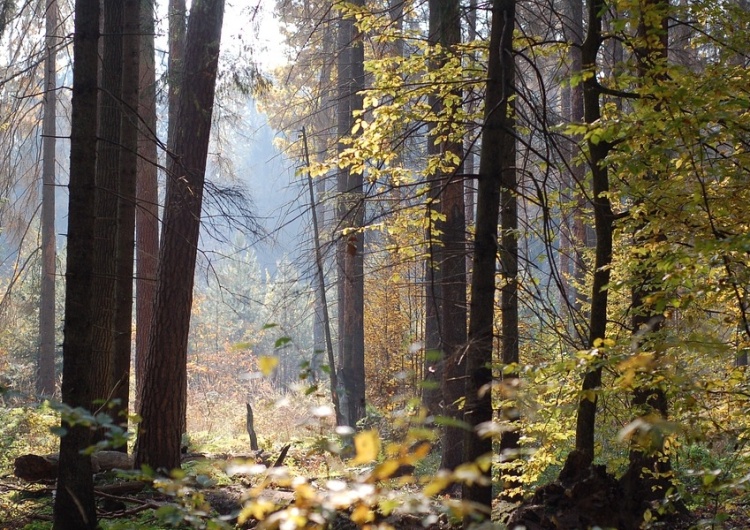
x=214, y=488
x=210, y=492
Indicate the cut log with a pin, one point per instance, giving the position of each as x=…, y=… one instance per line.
x=36, y=468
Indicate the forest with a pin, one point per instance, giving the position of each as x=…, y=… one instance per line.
x=379, y=264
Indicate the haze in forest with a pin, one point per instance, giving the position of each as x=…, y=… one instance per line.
x=452, y=264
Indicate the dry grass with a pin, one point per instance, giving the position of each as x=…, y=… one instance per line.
x=216, y=421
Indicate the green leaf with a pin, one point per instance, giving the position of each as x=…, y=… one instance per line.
x=58, y=431
x=447, y=421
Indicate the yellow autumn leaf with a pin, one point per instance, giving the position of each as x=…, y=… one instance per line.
x=367, y=445
x=257, y=509
x=267, y=364
x=422, y=450
x=438, y=484
x=362, y=514
x=385, y=470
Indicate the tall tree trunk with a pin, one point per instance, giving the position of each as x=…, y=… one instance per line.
x=45, y=383
x=321, y=291
x=574, y=234
x=107, y=177
x=322, y=325
x=126, y=202
x=74, y=503
x=450, y=276
x=177, y=13
x=351, y=212
x=177, y=16
x=496, y=170
x=147, y=196
x=586, y=419
x=164, y=390
x=509, y=347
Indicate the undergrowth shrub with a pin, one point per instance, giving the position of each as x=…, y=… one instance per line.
x=26, y=429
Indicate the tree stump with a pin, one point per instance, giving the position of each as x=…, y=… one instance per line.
x=251, y=428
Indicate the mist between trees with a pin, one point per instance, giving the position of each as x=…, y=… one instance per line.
x=500, y=248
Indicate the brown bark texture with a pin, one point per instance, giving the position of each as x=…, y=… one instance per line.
x=449, y=258
x=126, y=203
x=603, y=219
x=147, y=197
x=107, y=177
x=164, y=388
x=647, y=478
x=74, y=507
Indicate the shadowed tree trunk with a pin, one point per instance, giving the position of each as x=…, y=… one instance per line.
x=448, y=285
x=351, y=213
x=74, y=507
x=126, y=198
x=164, y=389
x=147, y=194
x=45, y=384
x=603, y=218
x=496, y=171
x=177, y=19
x=107, y=177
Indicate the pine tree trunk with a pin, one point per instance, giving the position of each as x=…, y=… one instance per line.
x=74, y=507
x=126, y=202
x=447, y=189
x=45, y=385
x=107, y=177
x=164, y=388
x=647, y=478
x=147, y=194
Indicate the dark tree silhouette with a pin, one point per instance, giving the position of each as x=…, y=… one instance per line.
x=126, y=200
x=74, y=503
x=496, y=170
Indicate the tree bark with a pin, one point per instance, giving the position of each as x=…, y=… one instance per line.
x=126, y=203
x=45, y=384
x=449, y=269
x=496, y=169
x=177, y=15
x=351, y=213
x=74, y=507
x=147, y=196
x=107, y=177
x=603, y=218
x=164, y=390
